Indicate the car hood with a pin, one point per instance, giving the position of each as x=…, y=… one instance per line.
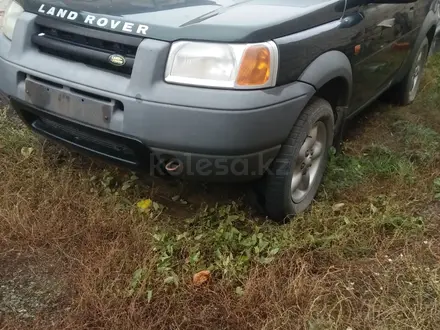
x=213, y=20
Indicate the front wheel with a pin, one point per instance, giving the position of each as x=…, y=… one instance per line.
x=295, y=175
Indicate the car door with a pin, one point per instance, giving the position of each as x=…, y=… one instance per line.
x=383, y=44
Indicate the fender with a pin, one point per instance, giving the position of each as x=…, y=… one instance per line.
x=430, y=21
x=330, y=65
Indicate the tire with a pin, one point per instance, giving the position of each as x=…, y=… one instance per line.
x=317, y=119
x=405, y=92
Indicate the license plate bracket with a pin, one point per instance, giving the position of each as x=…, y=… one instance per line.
x=69, y=103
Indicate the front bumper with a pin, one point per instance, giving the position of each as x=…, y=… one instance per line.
x=132, y=152
x=215, y=134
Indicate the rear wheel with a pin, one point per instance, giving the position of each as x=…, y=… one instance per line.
x=295, y=175
x=406, y=91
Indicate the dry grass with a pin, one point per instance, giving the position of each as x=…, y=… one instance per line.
x=96, y=262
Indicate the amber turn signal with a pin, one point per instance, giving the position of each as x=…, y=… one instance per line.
x=254, y=67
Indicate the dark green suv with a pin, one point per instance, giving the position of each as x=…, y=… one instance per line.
x=212, y=89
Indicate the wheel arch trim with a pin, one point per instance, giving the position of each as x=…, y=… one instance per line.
x=326, y=67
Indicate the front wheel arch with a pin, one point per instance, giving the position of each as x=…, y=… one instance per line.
x=330, y=67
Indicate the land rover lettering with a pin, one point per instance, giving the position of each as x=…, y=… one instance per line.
x=94, y=20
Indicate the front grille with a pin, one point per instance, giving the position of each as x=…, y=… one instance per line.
x=89, y=46
x=89, y=42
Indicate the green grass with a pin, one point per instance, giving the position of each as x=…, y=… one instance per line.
x=376, y=161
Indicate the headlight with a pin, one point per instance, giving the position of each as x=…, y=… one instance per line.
x=13, y=11
x=240, y=66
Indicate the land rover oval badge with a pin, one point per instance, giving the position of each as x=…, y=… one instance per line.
x=117, y=60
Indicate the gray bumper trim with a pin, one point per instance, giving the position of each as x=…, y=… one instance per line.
x=133, y=153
